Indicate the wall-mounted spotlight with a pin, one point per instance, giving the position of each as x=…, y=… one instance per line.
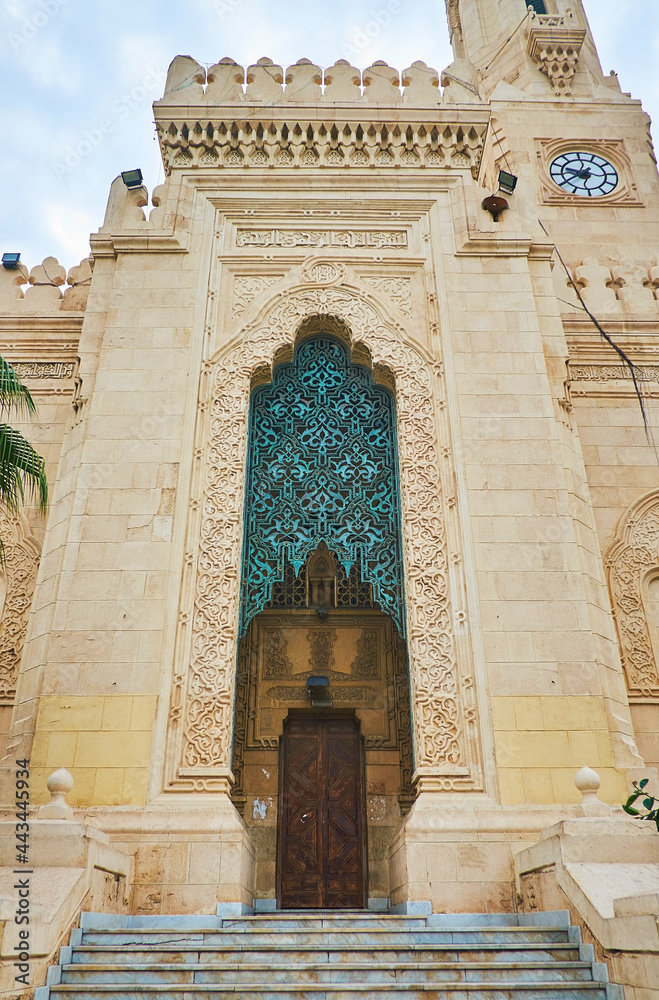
x=507, y=182
x=132, y=178
x=318, y=691
x=10, y=261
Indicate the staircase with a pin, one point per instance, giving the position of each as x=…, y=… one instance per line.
x=329, y=955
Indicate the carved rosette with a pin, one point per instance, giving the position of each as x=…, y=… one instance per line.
x=442, y=701
x=631, y=560
x=22, y=553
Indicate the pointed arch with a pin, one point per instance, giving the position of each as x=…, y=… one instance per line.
x=632, y=560
x=447, y=744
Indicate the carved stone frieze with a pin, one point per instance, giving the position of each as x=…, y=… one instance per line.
x=350, y=239
x=556, y=48
x=442, y=696
x=247, y=287
x=609, y=373
x=632, y=560
x=399, y=290
x=316, y=144
x=22, y=552
x=321, y=644
x=44, y=369
x=323, y=272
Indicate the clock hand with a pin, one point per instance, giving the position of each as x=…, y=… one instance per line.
x=581, y=174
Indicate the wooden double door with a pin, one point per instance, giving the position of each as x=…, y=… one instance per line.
x=321, y=843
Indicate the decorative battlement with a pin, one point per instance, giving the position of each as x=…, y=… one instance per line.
x=205, y=118
x=266, y=84
x=44, y=296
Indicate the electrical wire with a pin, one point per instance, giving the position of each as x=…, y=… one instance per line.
x=609, y=340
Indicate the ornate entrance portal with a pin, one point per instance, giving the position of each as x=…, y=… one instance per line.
x=321, y=814
x=322, y=594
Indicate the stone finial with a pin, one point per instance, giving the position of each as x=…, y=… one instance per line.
x=421, y=84
x=59, y=785
x=342, y=82
x=264, y=81
x=124, y=209
x=381, y=84
x=225, y=82
x=634, y=287
x=303, y=81
x=588, y=783
x=45, y=280
x=596, y=286
x=79, y=278
x=185, y=77
x=10, y=285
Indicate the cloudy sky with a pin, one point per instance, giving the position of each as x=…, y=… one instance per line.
x=65, y=65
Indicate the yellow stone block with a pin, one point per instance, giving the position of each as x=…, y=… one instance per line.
x=538, y=786
x=574, y=713
x=532, y=749
x=584, y=749
x=563, y=783
x=83, y=786
x=614, y=786
x=605, y=753
x=116, y=712
x=61, y=750
x=511, y=786
x=143, y=712
x=528, y=713
x=106, y=749
x=75, y=713
x=135, y=786
x=39, y=755
x=503, y=713
x=108, y=786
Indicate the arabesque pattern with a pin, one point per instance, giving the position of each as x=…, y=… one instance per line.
x=322, y=468
x=633, y=557
x=443, y=699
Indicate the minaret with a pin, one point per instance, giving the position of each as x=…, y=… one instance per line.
x=539, y=47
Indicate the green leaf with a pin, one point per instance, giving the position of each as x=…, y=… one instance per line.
x=643, y=783
x=648, y=803
x=628, y=809
x=22, y=471
x=14, y=396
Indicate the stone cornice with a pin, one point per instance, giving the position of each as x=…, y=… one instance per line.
x=394, y=139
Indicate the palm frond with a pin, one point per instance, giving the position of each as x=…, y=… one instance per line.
x=14, y=396
x=22, y=471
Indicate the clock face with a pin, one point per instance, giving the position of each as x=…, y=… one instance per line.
x=584, y=173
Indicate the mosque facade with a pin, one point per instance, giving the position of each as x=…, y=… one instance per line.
x=352, y=558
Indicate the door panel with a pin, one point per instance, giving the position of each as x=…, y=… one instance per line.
x=321, y=829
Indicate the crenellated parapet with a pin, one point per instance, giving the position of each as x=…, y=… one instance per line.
x=50, y=289
x=304, y=116
x=265, y=82
x=627, y=288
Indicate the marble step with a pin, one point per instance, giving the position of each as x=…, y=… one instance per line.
x=277, y=954
x=375, y=937
x=292, y=973
x=339, y=991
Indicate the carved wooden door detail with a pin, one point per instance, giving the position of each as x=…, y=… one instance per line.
x=321, y=826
